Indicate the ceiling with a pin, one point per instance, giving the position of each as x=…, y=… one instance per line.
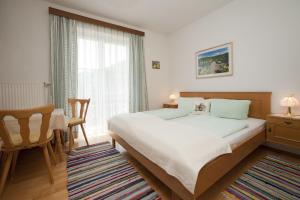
x=163, y=16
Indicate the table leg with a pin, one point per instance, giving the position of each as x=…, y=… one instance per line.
x=58, y=143
x=113, y=142
x=71, y=139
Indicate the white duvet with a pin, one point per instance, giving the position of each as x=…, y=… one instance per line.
x=179, y=149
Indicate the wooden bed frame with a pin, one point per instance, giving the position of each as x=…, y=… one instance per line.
x=214, y=170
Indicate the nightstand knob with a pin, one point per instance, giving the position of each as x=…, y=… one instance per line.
x=269, y=130
x=287, y=122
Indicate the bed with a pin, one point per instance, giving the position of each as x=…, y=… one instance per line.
x=242, y=145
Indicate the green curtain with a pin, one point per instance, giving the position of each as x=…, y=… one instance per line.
x=64, y=67
x=138, y=95
x=63, y=39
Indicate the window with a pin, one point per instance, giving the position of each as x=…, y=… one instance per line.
x=103, y=74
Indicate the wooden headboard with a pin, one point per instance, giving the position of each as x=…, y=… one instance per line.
x=260, y=105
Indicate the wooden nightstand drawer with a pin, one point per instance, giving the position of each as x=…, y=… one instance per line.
x=283, y=130
x=284, y=133
x=284, y=122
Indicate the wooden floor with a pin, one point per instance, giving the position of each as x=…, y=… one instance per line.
x=31, y=178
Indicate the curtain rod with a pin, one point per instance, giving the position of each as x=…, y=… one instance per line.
x=81, y=18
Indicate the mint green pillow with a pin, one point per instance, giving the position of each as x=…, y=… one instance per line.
x=233, y=109
x=188, y=103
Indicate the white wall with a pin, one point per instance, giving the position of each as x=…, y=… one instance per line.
x=25, y=47
x=158, y=79
x=266, y=38
x=265, y=34
x=24, y=41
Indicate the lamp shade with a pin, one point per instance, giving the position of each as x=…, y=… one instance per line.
x=172, y=97
x=289, y=102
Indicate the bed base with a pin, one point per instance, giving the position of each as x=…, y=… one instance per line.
x=208, y=175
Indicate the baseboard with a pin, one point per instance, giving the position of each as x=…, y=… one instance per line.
x=282, y=148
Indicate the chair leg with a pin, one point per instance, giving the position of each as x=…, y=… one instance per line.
x=6, y=167
x=70, y=138
x=58, y=144
x=48, y=163
x=14, y=163
x=73, y=138
x=3, y=159
x=83, y=131
x=52, y=155
x=62, y=137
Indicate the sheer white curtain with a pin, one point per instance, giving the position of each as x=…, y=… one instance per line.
x=103, y=73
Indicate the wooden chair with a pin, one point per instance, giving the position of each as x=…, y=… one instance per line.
x=25, y=139
x=75, y=120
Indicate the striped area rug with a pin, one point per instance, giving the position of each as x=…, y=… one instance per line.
x=101, y=172
x=270, y=178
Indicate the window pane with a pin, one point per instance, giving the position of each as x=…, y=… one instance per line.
x=103, y=74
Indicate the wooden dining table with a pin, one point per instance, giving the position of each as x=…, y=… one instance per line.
x=57, y=124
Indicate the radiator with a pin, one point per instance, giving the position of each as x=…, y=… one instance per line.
x=23, y=95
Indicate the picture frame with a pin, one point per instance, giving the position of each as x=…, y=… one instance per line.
x=215, y=61
x=155, y=65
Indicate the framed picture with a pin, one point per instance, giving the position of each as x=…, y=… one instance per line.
x=155, y=65
x=215, y=61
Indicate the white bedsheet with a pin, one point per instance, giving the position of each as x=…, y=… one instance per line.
x=254, y=126
x=220, y=127
x=179, y=149
x=167, y=113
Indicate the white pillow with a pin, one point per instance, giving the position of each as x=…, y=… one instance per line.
x=202, y=108
x=188, y=103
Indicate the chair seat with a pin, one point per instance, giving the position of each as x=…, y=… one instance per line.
x=75, y=121
x=33, y=137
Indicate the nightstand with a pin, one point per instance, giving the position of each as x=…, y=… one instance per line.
x=170, y=105
x=284, y=130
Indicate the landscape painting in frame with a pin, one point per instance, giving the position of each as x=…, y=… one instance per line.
x=216, y=61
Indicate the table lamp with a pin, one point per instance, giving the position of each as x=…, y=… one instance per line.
x=173, y=98
x=289, y=102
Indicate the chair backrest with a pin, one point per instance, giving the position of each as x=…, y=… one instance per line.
x=23, y=118
x=84, y=105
